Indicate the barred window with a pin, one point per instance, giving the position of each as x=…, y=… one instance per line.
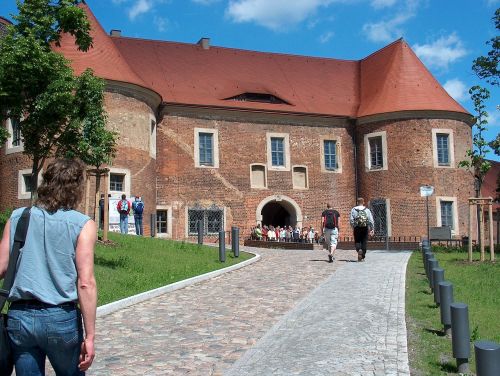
x=212, y=219
x=330, y=151
x=379, y=212
x=443, y=150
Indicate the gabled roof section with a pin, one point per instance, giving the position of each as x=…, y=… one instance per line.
x=103, y=58
x=394, y=79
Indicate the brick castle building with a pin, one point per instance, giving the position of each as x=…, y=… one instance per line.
x=236, y=137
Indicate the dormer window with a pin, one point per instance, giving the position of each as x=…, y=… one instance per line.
x=258, y=97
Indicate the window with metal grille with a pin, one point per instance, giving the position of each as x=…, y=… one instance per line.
x=330, y=152
x=206, y=149
x=376, y=154
x=379, y=212
x=16, y=132
x=116, y=182
x=277, y=151
x=161, y=222
x=443, y=150
x=447, y=213
x=212, y=219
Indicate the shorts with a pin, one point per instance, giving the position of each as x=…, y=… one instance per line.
x=331, y=237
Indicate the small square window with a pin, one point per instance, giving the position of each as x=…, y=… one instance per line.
x=161, y=221
x=116, y=182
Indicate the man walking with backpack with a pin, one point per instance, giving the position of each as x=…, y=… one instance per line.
x=123, y=208
x=138, y=208
x=361, y=220
x=330, y=229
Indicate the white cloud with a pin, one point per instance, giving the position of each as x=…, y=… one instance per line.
x=161, y=23
x=441, y=52
x=205, y=2
x=139, y=7
x=325, y=37
x=383, y=3
x=276, y=14
x=118, y=1
x=456, y=89
x=493, y=117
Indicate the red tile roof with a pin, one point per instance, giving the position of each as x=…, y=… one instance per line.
x=392, y=79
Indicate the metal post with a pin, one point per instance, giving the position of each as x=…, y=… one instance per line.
x=427, y=208
x=437, y=276
x=235, y=241
x=153, y=225
x=222, y=246
x=200, y=232
x=460, y=335
x=487, y=358
x=427, y=255
x=433, y=263
x=445, y=299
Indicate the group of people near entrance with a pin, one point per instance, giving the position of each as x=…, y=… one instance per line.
x=285, y=234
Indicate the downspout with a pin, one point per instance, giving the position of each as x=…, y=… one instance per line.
x=355, y=159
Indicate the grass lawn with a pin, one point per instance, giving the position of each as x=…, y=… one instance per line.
x=475, y=284
x=134, y=265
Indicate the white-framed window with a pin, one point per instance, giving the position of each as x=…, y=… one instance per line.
x=330, y=155
x=119, y=181
x=24, y=184
x=14, y=142
x=447, y=213
x=206, y=148
x=443, y=150
x=258, y=176
x=299, y=177
x=152, y=136
x=376, y=151
x=278, y=151
x=163, y=221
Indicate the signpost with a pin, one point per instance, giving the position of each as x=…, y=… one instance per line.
x=426, y=191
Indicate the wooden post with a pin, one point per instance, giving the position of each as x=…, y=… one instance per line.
x=481, y=230
x=471, y=215
x=490, y=216
x=106, y=206
x=87, y=193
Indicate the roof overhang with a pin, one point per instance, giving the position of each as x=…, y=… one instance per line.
x=418, y=114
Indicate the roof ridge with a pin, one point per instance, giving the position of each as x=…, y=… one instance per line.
x=390, y=45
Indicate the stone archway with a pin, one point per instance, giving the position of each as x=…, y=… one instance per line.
x=278, y=210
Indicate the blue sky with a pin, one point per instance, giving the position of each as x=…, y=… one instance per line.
x=446, y=34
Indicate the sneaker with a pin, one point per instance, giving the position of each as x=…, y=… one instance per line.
x=330, y=258
x=360, y=256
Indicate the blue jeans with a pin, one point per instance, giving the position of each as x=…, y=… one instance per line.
x=138, y=225
x=124, y=223
x=37, y=332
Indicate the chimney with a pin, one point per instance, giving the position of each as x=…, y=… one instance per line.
x=115, y=33
x=204, y=43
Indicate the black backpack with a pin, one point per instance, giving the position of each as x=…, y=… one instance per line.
x=330, y=219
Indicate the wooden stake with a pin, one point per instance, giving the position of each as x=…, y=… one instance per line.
x=481, y=230
x=106, y=207
x=87, y=193
x=471, y=215
x=490, y=216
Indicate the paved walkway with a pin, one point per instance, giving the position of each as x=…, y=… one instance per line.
x=290, y=313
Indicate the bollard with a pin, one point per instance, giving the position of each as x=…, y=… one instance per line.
x=445, y=299
x=236, y=242
x=460, y=335
x=222, y=246
x=433, y=263
x=200, y=232
x=437, y=276
x=427, y=256
x=152, y=225
x=487, y=358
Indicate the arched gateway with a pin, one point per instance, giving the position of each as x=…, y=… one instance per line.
x=278, y=210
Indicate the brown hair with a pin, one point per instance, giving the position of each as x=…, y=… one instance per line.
x=62, y=186
x=361, y=201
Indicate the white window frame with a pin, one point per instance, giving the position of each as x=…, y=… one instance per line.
x=368, y=160
x=307, y=177
x=152, y=136
x=265, y=176
x=451, y=147
x=453, y=200
x=22, y=193
x=126, y=181
x=337, y=170
x=286, y=150
x=167, y=234
x=215, y=138
x=9, y=149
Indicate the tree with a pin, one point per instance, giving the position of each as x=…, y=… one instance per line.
x=37, y=86
x=486, y=67
x=477, y=163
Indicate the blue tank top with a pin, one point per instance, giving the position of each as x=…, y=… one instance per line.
x=46, y=269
